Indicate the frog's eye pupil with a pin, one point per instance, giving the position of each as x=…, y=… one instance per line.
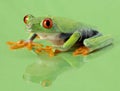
x=47, y=23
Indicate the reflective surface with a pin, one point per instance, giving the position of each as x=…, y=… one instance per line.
x=99, y=71
x=49, y=68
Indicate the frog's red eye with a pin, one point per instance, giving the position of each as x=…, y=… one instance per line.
x=47, y=23
x=26, y=18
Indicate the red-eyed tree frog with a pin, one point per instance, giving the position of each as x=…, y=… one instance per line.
x=65, y=33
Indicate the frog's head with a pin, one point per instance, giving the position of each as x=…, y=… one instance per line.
x=40, y=24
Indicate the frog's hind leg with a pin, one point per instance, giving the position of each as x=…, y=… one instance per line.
x=96, y=42
x=99, y=42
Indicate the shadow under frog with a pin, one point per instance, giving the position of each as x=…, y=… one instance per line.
x=47, y=69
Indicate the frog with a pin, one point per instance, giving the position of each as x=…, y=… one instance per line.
x=64, y=34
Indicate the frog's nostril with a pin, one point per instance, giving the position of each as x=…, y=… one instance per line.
x=28, y=26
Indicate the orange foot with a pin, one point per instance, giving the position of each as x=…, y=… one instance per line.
x=22, y=44
x=82, y=50
x=49, y=50
x=29, y=45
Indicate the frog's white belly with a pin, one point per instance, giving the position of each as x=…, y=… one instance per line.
x=49, y=36
x=53, y=37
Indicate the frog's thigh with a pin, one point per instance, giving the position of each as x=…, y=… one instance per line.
x=98, y=42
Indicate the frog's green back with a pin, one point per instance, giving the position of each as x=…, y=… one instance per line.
x=67, y=25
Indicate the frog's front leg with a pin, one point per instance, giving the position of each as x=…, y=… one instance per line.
x=27, y=43
x=70, y=42
x=94, y=43
x=31, y=37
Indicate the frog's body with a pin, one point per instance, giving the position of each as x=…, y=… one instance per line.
x=65, y=33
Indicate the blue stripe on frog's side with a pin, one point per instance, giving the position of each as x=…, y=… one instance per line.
x=84, y=35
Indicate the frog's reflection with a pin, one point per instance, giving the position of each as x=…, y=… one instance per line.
x=47, y=69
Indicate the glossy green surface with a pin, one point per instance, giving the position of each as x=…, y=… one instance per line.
x=100, y=71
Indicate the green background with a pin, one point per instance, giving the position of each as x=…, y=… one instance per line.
x=100, y=73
